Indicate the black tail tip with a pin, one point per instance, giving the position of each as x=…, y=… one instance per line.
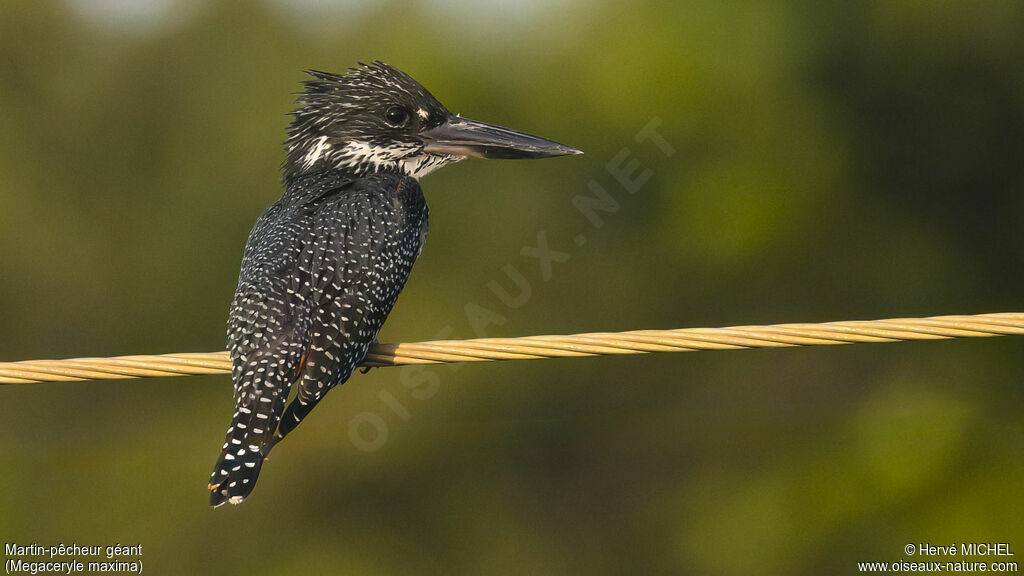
x=219, y=496
x=232, y=482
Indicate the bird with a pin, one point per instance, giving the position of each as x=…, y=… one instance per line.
x=324, y=265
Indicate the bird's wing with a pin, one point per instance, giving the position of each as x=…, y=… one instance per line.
x=317, y=283
x=268, y=333
x=346, y=267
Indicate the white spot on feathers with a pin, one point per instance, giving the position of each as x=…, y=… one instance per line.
x=318, y=149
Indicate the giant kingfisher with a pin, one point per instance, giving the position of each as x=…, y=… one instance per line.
x=324, y=265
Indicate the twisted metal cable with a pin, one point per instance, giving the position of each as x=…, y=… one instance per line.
x=594, y=344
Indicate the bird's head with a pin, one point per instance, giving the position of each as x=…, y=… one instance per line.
x=377, y=118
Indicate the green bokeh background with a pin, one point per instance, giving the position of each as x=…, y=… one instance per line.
x=833, y=160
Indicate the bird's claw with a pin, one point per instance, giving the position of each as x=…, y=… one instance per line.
x=366, y=369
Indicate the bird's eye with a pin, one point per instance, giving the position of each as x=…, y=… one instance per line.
x=396, y=115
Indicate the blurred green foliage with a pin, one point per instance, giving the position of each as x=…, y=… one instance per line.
x=833, y=160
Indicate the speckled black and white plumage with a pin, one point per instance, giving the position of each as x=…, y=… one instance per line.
x=324, y=265
x=322, y=270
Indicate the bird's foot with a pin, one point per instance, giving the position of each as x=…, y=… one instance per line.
x=366, y=369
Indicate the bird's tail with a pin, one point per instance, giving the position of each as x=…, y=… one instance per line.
x=249, y=439
x=234, y=475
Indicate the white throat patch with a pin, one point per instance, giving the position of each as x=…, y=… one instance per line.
x=358, y=153
x=363, y=156
x=404, y=158
x=420, y=165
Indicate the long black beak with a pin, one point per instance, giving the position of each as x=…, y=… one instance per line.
x=464, y=137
